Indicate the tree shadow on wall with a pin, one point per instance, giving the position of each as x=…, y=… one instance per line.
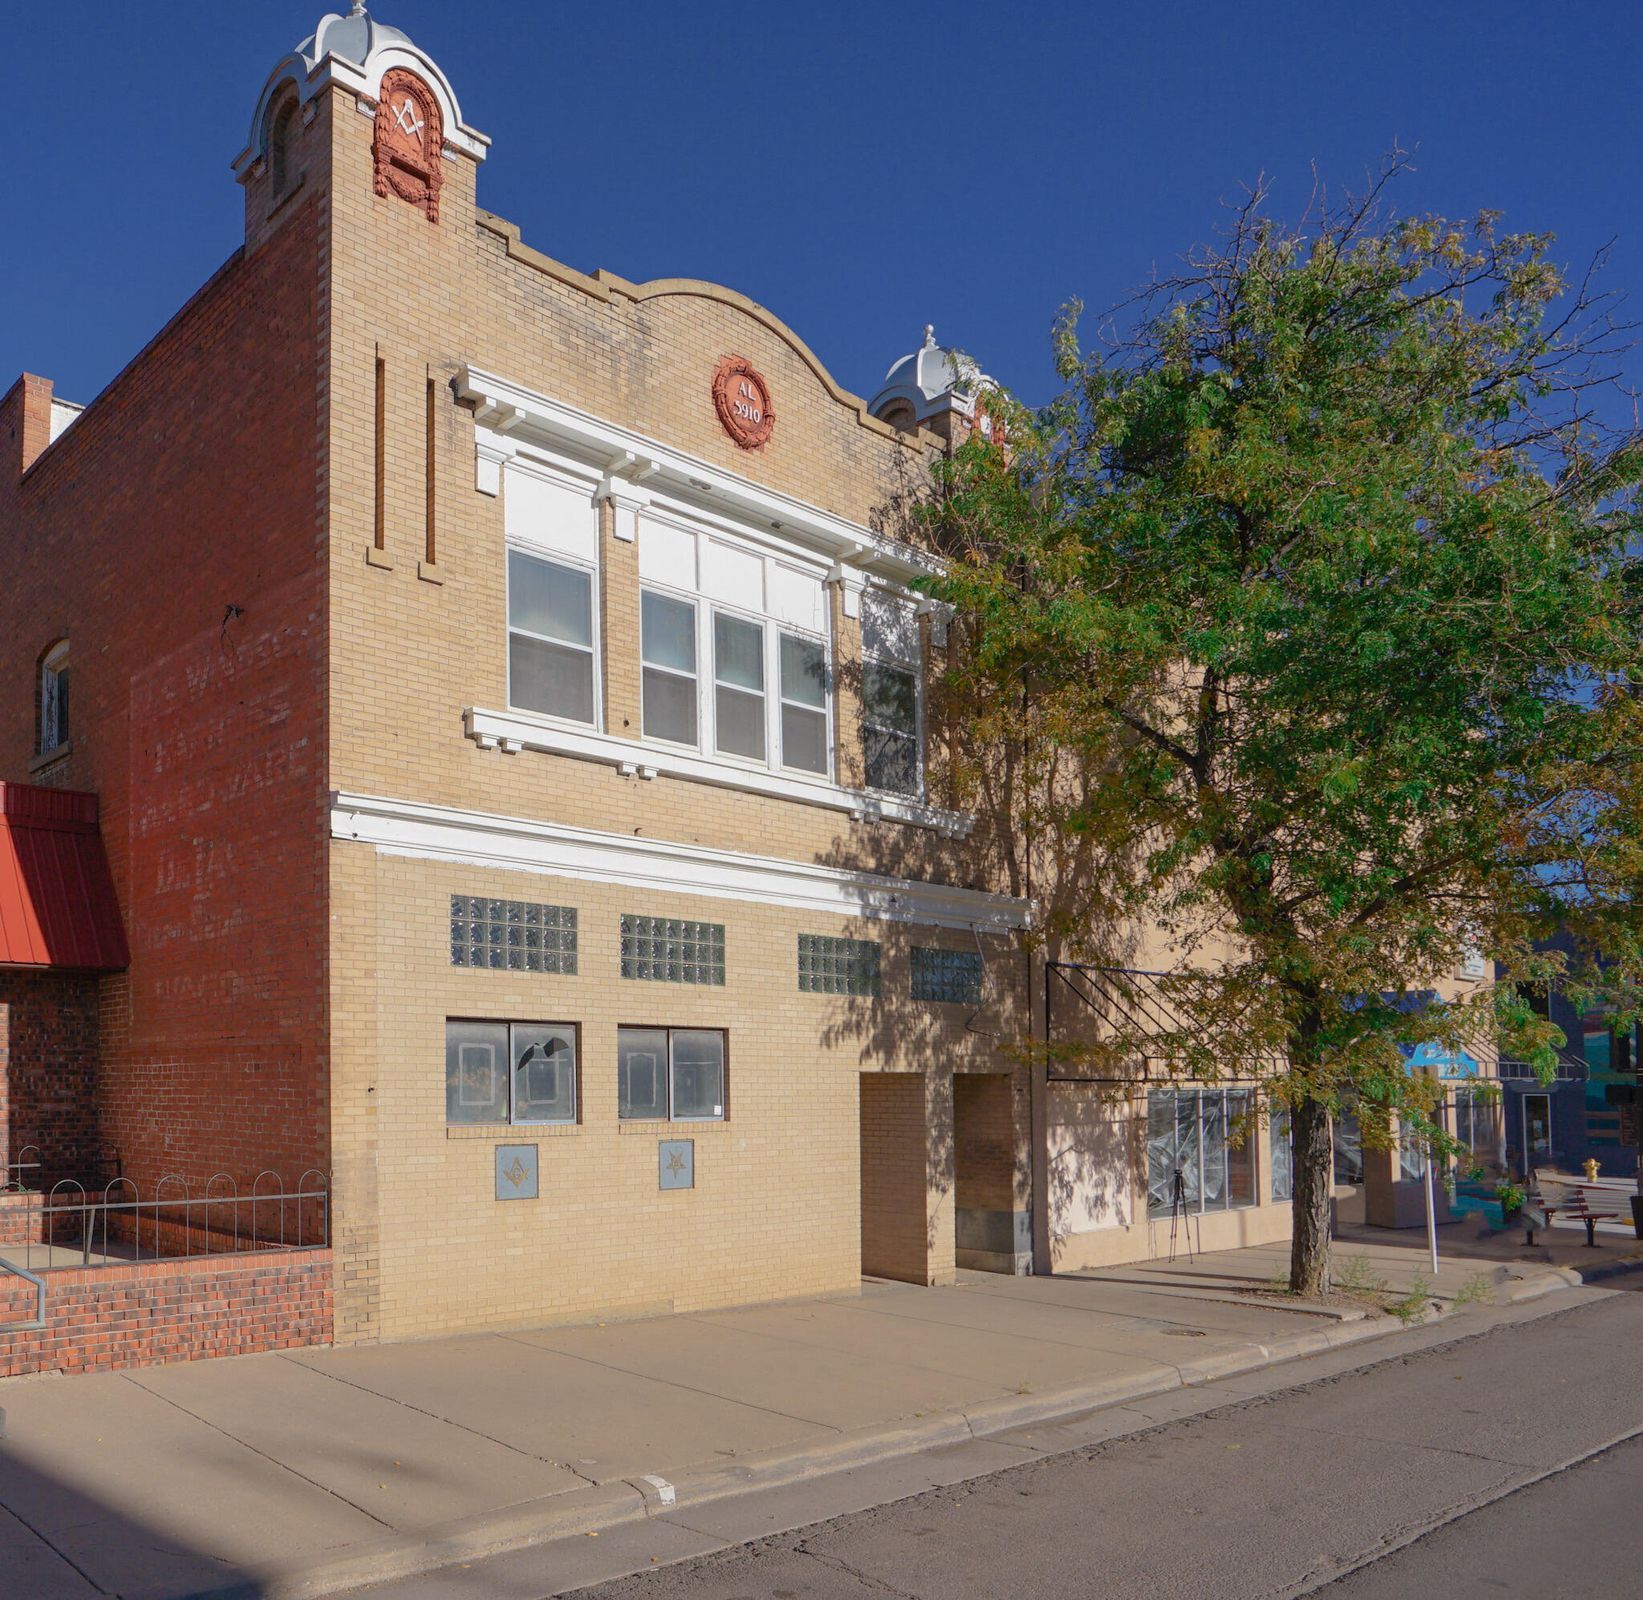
x=1095, y=1140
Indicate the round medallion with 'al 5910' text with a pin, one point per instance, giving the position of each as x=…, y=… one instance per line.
x=742, y=400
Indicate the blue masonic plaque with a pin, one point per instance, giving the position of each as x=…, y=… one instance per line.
x=676, y=1164
x=516, y=1172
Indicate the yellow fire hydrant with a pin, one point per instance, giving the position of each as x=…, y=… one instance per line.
x=1590, y=1165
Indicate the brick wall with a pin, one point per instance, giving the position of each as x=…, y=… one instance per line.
x=138, y=1316
x=906, y=1176
x=173, y=535
x=48, y=1072
x=19, y=1217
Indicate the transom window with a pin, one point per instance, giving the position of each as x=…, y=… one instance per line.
x=891, y=694
x=951, y=975
x=838, y=966
x=510, y=1071
x=1200, y=1151
x=672, y=1073
x=512, y=935
x=54, y=678
x=673, y=949
x=550, y=637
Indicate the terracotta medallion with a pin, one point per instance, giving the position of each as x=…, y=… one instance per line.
x=742, y=400
x=409, y=141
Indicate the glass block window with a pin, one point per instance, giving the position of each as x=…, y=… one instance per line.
x=512, y=935
x=953, y=975
x=838, y=966
x=672, y=950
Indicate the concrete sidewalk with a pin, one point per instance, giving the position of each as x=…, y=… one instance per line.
x=321, y=1469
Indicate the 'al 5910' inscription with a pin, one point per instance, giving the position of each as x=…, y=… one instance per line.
x=742, y=399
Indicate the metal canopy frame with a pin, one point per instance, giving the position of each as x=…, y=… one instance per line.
x=1134, y=994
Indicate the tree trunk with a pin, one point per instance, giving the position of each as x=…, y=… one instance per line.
x=1314, y=1160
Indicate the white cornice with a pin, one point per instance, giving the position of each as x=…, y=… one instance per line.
x=502, y=407
x=512, y=731
x=657, y=866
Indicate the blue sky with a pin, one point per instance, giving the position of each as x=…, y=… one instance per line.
x=859, y=168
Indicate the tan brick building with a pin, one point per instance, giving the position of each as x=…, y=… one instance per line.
x=507, y=700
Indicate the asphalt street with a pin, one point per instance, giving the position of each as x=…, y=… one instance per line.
x=1510, y=1463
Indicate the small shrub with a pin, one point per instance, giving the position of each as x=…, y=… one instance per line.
x=1478, y=1290
x=1413, y=1303
x=1358, y=1277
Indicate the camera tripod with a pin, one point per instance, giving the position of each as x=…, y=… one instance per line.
x=1181, y=1217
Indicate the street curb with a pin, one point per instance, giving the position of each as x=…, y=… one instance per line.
x=598, y=1508
x=1602, y=1273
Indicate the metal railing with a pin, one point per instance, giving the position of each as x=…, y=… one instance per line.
x=12, y=1173
x=38, y=1321
x=69, y=1228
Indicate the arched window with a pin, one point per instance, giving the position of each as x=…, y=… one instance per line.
x=899, y=414
x=54, y=724
x=282, y=127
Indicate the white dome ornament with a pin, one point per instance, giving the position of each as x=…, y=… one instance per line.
x=930, y=383
x=358, y=52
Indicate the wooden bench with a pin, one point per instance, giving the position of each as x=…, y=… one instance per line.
x=1569, y=1198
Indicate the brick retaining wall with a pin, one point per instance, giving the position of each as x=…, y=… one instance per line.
x=161, y=1311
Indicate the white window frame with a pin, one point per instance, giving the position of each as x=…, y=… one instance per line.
x=54, y=732
x=915, y=668
x=783, y=629
x=705, y=609
x=557, y=558
x=694, y=678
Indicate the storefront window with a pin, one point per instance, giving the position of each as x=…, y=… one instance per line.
x=1348, y=1146
x=1200, y=1151
x=1477, y=1125
x=1283, y=1157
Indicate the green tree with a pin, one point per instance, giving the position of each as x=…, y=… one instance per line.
x=1310, y=610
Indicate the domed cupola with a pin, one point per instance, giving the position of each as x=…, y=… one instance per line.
x=359, y=53
x=929, y=387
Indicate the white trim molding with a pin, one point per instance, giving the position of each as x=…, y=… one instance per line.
x=657, y=866
x=513, y=731
x=506, y=414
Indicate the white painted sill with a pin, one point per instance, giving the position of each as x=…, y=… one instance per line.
x=513, y=731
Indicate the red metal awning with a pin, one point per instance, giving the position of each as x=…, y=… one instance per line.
x=57, y=905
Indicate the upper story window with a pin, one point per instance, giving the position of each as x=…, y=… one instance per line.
x=54, y=680
x=552, y=532
x=733, y=650
x=891, y=694
x=550, y=637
